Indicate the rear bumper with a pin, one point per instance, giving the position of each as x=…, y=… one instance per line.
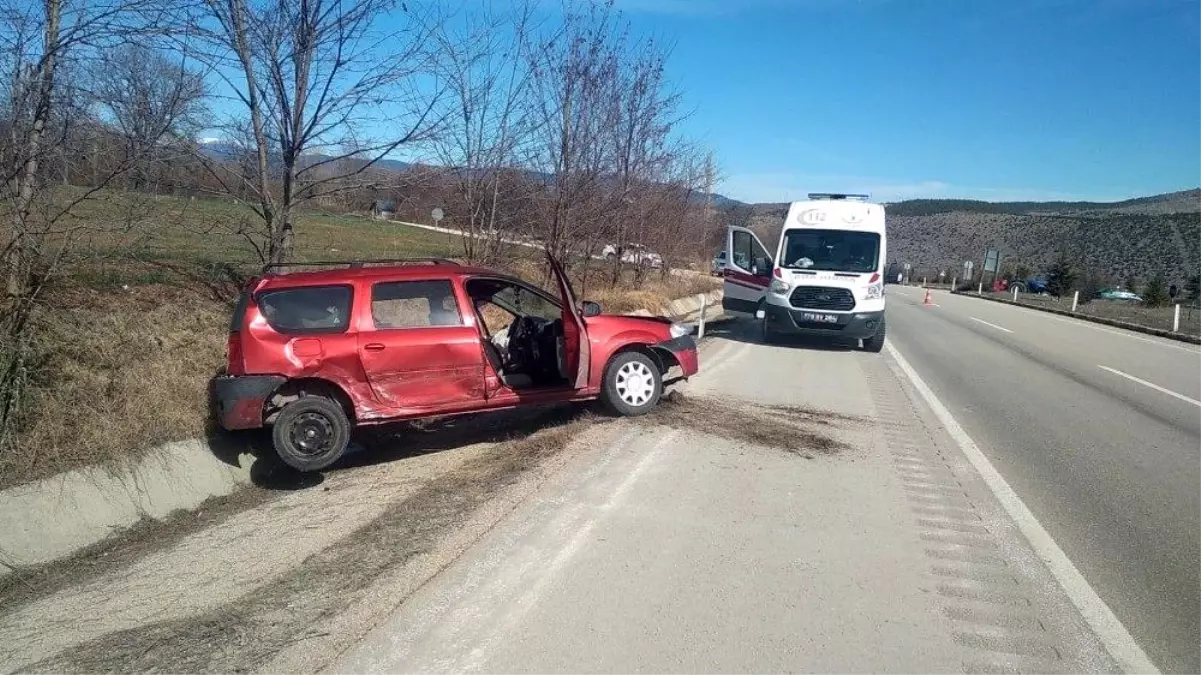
x=851, y=325
x=238, y=399
x=683, y=349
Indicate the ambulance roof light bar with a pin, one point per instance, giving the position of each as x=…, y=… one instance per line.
x=838, y=196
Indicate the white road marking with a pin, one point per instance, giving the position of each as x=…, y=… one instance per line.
x=990, y=325
x=1162, y=342
x=1117, y=640
x=1152, y=385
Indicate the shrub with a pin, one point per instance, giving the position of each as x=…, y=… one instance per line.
x=1156, y=293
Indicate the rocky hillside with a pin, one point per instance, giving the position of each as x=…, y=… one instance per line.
x=1139, y=237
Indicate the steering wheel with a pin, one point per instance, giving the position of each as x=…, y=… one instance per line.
x=522, y=350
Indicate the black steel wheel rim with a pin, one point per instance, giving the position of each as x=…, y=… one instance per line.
x=312, y=433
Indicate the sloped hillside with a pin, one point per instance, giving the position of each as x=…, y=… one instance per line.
x=1119, y=245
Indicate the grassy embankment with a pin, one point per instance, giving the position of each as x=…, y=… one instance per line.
x=131, y=335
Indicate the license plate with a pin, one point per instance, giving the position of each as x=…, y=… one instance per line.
x=819, y=318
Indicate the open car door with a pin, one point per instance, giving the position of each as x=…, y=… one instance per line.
x=577, y=350
x=747, y=272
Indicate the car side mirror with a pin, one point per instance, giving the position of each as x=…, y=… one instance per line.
x=591, y=308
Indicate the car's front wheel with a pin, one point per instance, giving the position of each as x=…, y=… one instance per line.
x=875, y=343
x=632, y=385
x=311, y=433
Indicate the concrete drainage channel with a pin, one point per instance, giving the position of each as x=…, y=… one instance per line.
x=59, y=516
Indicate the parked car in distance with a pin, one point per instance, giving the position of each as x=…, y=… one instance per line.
x=718, y=264
x=1032, y=285
x=1119, y=294
x=313, y=354
x=633, y=254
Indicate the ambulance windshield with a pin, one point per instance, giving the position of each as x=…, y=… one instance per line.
x=831, y=250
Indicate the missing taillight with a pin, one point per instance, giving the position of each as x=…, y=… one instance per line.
x=235, y=362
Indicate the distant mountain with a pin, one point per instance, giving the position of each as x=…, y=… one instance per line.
x=228, y=151
x=1137, y=237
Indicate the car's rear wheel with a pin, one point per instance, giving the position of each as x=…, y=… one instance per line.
x=633, y=384
x=875, y=343
x=311, y=433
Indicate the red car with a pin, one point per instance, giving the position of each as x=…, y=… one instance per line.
x=313, y=354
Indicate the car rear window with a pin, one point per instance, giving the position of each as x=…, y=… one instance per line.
x=414, y=304
x=308, y=309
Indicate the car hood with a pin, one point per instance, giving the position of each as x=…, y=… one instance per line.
x=654, y=324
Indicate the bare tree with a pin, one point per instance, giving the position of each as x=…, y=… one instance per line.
x=487, y=74
x=314, y=77
x=155, y=103
x=574, y=68
x=44, y=112
x=643, y=113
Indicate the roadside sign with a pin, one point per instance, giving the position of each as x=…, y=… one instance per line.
x=941, y=274
x=906, y=267
x=968, y=266
x=437, y=214
x=992, y=260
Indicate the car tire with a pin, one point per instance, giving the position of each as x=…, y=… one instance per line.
x=311, y=433
x=875, y=343
x=632, y=384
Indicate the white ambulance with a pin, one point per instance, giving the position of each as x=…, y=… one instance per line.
x=826, y=278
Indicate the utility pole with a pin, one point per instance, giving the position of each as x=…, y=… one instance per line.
x=709, y=178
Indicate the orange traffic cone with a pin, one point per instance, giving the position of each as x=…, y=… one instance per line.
x=927, y=302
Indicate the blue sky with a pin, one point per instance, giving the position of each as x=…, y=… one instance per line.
x=988, y=99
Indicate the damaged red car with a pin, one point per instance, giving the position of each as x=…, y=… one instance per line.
x=313, y=354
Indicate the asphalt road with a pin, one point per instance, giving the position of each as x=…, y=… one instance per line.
x=703, y=546
x=1098, y=430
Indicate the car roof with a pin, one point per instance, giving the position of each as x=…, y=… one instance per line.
x=343, y=274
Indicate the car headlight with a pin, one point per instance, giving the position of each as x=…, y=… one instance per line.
x=679, y=330
x=875, y=291
x=779, y=286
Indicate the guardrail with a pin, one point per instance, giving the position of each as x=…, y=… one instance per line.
x=1085, y=316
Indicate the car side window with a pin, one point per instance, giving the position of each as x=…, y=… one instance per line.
x=528, y=303
x=414, y=304
x=743, y=249
x=759, y=254
x=306, y=310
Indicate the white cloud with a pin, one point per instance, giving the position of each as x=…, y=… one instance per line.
x=785, y=187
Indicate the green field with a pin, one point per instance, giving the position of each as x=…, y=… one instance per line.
x=126, y=238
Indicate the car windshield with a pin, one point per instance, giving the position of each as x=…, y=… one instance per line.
x=831, y=250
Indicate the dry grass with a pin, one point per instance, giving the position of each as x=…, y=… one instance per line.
x=115, y=374
x=654, y=294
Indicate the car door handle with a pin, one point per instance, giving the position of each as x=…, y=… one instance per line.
x=374, y=347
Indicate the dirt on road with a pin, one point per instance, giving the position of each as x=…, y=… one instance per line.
x=286, y=579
